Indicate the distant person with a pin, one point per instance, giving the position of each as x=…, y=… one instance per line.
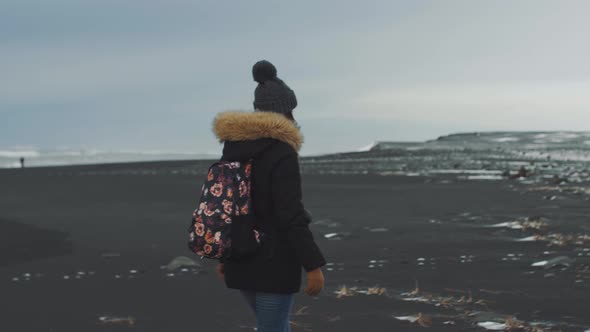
x=522, y=173
x=22, y=162
x=269, y=280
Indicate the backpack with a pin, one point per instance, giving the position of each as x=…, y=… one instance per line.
x=223, y=225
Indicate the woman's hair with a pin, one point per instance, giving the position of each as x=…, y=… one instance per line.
x=289, y=116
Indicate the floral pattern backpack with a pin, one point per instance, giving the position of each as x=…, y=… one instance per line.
x=223, y=226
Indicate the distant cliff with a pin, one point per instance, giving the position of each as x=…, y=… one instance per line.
x=476, y=154
x=494, y=140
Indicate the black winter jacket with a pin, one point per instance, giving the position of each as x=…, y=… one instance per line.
x=274, y=142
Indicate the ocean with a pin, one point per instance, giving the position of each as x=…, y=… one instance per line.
x=10, y=158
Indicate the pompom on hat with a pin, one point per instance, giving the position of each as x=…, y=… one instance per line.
x=271, y=94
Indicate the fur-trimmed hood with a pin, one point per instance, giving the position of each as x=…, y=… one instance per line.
x=246, y=126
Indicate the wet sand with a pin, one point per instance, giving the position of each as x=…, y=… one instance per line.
x=97, y=238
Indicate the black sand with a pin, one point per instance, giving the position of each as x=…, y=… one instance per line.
x=104, y=221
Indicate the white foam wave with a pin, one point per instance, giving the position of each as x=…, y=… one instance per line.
x=565, y=155
x=367, y=147
x=19, y=153
x=484, y=177
x=10, y=165
x=466, y=171
x=567, y=135
x=506, y=139
x=9, y=158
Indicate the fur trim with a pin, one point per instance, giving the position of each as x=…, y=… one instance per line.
x=245, y=126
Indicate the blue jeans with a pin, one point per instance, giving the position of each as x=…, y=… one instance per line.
x=271, y=310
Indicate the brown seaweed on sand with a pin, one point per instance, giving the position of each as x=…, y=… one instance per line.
x=420, y=319
x=352, y=291
x=345, y=291
x=302, y=311
x=376, y=291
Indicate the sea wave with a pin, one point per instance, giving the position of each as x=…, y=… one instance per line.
x=19, y=153
x=10, y=158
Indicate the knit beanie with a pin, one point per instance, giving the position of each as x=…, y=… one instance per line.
x=271, y=94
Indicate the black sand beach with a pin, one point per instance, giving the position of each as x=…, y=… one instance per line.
x=83, y=245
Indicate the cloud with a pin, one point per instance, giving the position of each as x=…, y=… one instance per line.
x=539, y=103
x=46, y=76
x=500, y=94
x=77, y=69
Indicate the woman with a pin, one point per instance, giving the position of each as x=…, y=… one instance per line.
x=271, y=137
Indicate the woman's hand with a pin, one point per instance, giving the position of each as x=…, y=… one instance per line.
x=220, y=270
x=315, y=282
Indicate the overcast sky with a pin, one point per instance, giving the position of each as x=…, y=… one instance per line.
x=151, y=75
